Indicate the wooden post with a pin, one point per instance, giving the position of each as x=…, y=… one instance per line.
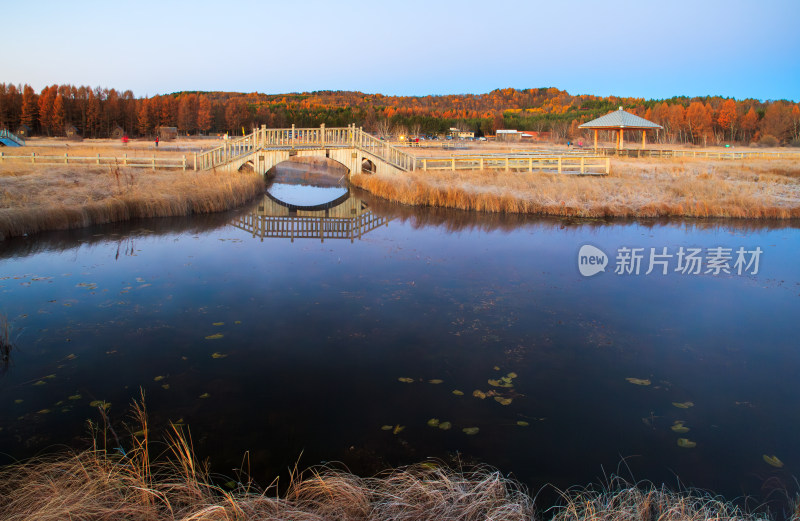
x=583, y=165
x=608, y=165
x=195, y=161
x=595, y=141
x=154, y=162
x=322, y=135
x=184, y=162
x=621, y=139
x=506, y=164
x=292, y=136
x=125, y=159
x=66, y=159
x=425, y=165
x=530, y=164
x=453, y=164
x=644, y=138
x=559, y=164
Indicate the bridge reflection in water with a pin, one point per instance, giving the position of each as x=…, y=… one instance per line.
x=347, y=217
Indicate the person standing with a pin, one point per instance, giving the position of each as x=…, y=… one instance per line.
x=156, y=141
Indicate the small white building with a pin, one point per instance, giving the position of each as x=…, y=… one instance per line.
x=460, y=134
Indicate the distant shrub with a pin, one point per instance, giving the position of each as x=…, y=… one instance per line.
x=768, y=140
x=795, y=142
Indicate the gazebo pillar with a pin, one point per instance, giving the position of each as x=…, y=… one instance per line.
x=595, y=140
x=621, y=139
x=644, y=138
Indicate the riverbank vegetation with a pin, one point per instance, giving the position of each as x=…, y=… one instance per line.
x=36, y=198
x=136, y=485
x=767, y=189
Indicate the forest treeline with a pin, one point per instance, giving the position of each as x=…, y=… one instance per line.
x=97, y=112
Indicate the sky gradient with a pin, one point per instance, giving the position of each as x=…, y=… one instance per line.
x=638, y=48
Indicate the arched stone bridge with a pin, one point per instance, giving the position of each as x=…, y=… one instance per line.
x=264, y=148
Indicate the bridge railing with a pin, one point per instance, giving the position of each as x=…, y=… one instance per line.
x=555, y=164
x=388, y=153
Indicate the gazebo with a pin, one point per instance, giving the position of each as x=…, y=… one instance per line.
x=620, y=121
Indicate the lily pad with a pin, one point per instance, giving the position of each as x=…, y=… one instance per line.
x=40, y=382
x=512, y=375
x=218, y=355
x=679, y=428
x=458, y=393
x=75, y=397
x=773, y=460
x=638, y=381
x=158, y=378
x=522, y=423
x=479, y=394
x=445, y=426
x=435, y=381
x=100, y=403
x=398, y=429
x=406, y=380
x=214, y=336
x=43, y=411
x=218, y=324
x=165, y=386
x=683, y=405
x=686, y=443
x=471, y=431
x=18, y=400
x=204, y=395
x=433, y=422
x=503, y=401
x=496, y=368
x=387, y=427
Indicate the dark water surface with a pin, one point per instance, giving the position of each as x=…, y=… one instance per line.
x=282, y=346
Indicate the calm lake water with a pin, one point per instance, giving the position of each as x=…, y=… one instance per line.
x=345, y=349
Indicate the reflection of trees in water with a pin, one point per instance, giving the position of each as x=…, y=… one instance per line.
x=310, y=171
x=460, y=220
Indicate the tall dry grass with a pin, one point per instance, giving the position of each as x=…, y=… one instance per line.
x=136, y=485
x=756, y=189
x=33, y=199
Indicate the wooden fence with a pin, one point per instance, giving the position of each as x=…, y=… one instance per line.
x=124, y=161
x=581, y=165
x=708, y=154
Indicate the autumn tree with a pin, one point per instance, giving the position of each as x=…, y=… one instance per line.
x=187, y=113
x=29, y=107
x=59, y=117
x=204, y=115
x=777, y=121
x=45, y=109
x=236, y=114
x=728, y=118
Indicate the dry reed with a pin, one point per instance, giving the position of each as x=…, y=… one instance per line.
x=98, y=484
x=33, y=199
x=757, y=189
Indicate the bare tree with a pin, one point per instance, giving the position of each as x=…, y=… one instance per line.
x=383, y=129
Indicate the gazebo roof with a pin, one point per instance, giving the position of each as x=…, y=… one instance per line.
x=619, y=119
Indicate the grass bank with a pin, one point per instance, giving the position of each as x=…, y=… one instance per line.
x=755, y=189
x=36, y=198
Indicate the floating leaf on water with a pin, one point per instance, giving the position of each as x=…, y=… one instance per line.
x=506, y=379
x=40, y=382
x=237, y=322
x=230, y=484
x=398, y=428
x=512, y=375
x=43, y=411
x=204, y=395
x=49, y=377
x=71, y=356
x=218, y=355
x=445, y=426
x=165, y=386
x=683, y=405
x=100, y=403
x=406, y=380
x=503, y=401
x=679, y=427
x=470, y=431
x=458, y=393
x=496, y=368
x=686, y=443
x=435, y=381
x=638, y=381
x=59, y=403
x=522, y=423
x=75, y=397
x=214, y=336
x=433, y=422
x=494, y=383
x=159, y=378
x=18, y=400
x=218, y=324
x=479, y=394
x=773, y=460
x=387, y=427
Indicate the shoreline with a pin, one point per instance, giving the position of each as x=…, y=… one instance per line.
x=636, y=188
x=36, y=199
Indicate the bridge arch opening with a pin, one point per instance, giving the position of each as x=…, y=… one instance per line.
x=313, y=171
x=368, y=167
x=248, y=166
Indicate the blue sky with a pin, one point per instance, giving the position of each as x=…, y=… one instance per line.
x=626, y=48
